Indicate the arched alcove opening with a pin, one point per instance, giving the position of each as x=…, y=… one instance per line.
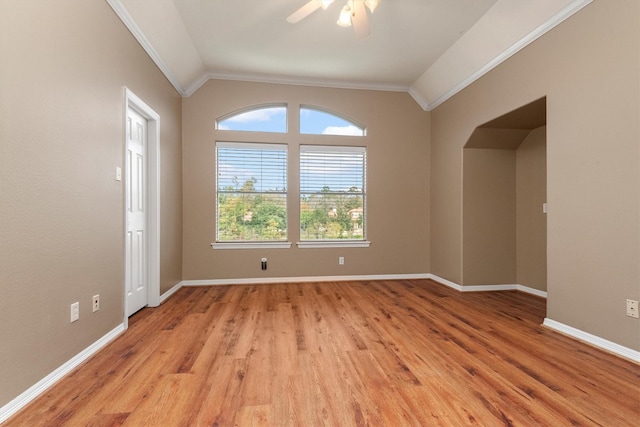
x=504, y=234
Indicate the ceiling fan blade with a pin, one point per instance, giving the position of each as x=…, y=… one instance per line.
x=360, y=20
x=304, y=11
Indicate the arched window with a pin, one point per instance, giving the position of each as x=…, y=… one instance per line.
x=315, y=121
x=252, y=179
x=262, y=118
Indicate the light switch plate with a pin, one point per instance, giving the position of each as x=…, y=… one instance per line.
x=75, y=311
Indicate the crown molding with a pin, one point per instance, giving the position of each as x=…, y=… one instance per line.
x=422, y=102
x=187, y=90
x=197, y=84
x=546, y=26
x=295, y=81
x=135, y=30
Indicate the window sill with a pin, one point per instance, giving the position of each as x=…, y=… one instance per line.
x=251, y=245
x=334, y=244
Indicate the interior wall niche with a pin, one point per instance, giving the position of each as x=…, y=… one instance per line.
x=504, y=233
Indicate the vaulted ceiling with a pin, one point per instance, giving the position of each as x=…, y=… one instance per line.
x=429, y=48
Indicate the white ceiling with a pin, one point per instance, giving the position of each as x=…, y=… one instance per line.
x=253, y=37
x=429, y=48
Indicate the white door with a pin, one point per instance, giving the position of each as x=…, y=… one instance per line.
x=136, y=266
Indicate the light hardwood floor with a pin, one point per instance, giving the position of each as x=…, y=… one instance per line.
x=378, y=353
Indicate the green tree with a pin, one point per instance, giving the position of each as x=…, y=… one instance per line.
x=244, y=214
x=269, y=218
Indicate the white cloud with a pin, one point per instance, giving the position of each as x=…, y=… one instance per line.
x=261, y=115
x=342, y=130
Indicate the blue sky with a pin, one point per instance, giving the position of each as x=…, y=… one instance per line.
x=274, y=119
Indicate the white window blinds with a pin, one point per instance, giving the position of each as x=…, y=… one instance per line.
x=251, y=192
x=332, y=192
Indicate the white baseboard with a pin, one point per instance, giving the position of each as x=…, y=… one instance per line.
x=170, y=292
x=487, y=288
x=306, y=279
x=532, y=291
x=41, y=386
x=594, y=340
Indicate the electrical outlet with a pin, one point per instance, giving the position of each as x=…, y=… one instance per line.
x=96, y=303
x=632, y=308
x=263, y=263
x=75, y=311
x=341, y=260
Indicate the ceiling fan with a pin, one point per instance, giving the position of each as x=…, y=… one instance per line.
x=354, y=12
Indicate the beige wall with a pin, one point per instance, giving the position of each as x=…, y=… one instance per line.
x=64, y=65
x=587, y=67
x=397, y=182
x=504, y=233
x=489, y=216
x=531, y=221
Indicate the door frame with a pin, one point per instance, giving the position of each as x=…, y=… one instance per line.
x=153, y=198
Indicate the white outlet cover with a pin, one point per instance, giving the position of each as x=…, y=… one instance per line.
x=632, y=308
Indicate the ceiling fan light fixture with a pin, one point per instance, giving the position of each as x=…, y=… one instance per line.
x=325, y=3
x=371, y=4
x=344, y=20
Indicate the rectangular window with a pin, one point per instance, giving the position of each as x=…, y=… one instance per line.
x=251, y=192
x=332, y=193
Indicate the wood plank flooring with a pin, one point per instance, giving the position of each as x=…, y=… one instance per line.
x=367, y=353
